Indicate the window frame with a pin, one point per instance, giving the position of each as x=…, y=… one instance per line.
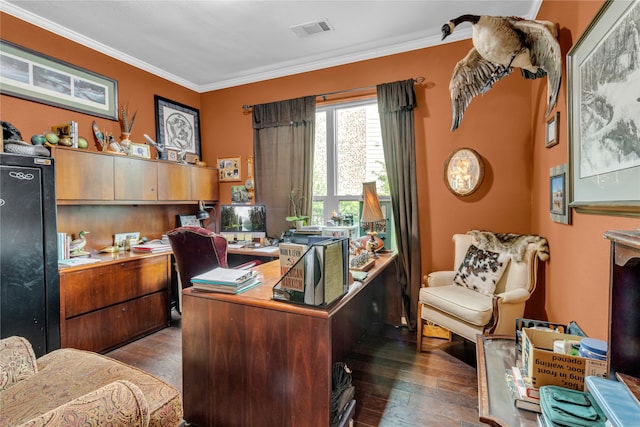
x=332, y=200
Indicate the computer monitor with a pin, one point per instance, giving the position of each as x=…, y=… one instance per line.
x=243, y=222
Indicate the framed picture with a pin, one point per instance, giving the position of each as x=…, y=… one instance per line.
x=552, y=130
x=239, y=194
x=604, y=113
x=177, y=126
x=140, y=150
x=559, y=194
x=188, y=220
x=229, y=168
x=172, y=155
x=30, y=75
x=463, y=171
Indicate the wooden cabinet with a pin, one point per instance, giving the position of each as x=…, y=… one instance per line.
x=134, y=180
x=92, y=177
x=82, y=175
x=174, y=182
x=107, y=304
x=204, y=184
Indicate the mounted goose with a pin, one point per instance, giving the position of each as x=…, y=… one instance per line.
x=501, y=43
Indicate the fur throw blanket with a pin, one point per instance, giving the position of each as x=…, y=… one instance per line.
x=512, y=244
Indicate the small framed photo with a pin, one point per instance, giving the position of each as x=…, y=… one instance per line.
x=552, y=130
x=188, y=221
x=229, y=168
x=172, y=155
x=559, y=194
x=140, y=150
x=191, y=158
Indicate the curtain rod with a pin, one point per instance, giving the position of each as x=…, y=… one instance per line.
x=417, y=80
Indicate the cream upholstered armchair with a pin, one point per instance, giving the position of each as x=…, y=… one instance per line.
x=495, y=276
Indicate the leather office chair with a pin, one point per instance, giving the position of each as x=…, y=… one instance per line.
x=198, y=250
x=466, y=311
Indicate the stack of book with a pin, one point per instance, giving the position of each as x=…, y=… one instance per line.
x=226, y=280
x=151, y=247
x=525, y=395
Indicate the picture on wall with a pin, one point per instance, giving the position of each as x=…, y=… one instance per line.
x=177, y=126
x=604, y=113
x=559, y=194
x=30, y=75
x=229, y=168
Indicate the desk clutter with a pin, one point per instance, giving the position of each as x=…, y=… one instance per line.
x=225, y=280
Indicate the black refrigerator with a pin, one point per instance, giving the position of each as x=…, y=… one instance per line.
x=29, y=279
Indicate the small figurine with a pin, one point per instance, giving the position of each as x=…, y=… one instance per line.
x=76, y=247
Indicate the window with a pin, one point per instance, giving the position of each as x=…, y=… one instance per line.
x=348, y=152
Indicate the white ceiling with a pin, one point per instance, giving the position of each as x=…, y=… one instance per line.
x=208, y=45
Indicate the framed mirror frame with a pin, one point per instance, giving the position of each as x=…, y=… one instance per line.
x=463, y=171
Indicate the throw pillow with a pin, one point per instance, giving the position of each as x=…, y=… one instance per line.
x=481, y=270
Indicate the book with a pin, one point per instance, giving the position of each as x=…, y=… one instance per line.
x=526, y=390
x=224, y=276
x=292, y=271
x=526, y=404
x=151, y=247
x=212, y=287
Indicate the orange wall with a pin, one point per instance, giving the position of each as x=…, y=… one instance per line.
x=136, y=88
x=506, y=126
x=577, y=282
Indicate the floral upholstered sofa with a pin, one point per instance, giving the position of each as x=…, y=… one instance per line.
x=74, y=387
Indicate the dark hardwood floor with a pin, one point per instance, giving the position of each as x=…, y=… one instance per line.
x=395, y=385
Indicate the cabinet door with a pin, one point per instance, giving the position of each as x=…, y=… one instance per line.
x=135, y=179
x=204, y=184
x=83, y=175
x=174, y=182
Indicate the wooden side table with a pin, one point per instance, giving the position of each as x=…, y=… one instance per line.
x=496, y=354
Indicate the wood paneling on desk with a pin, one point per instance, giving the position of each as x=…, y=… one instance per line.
x=250, y=360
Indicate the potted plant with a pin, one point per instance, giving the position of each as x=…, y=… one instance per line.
x=296, y=201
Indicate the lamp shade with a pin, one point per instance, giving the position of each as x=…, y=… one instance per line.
x=371, y=211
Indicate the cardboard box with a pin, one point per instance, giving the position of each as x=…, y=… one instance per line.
x=545, y=367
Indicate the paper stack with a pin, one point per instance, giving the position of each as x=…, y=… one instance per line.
x=226, y=280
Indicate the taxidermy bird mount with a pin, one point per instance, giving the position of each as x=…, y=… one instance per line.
x=499, y=44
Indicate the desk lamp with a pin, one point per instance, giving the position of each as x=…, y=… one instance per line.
x=372, y=220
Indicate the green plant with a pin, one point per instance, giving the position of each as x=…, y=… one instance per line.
x=296, y=202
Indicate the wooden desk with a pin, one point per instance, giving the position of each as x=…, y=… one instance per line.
x=495, y=354
x=251, y=361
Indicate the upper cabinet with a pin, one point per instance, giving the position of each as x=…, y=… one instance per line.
x=81, y=175
x=91, y=177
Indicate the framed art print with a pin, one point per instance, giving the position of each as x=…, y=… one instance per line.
x=552, y=130
x=31, y=75
x=177, y=126
x=559, y=209
x=229, y=168
x=604, y=113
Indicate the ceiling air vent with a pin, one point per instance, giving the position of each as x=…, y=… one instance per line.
x=311, y=28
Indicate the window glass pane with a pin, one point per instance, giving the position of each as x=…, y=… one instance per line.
x=359, y=154
x=320, y=156
x=317, y=215
x=350, y=207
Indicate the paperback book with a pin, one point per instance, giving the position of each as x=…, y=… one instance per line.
x=227, y=289
x=527, y=404
x=291, y=271
x=224, y=276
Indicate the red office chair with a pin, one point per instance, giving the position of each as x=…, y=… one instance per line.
x=198, y=250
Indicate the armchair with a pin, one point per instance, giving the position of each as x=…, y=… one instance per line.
x=70, y=384
x=497, y=274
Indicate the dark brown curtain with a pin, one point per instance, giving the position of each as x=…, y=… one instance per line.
x=396, y=102
x=283, y=140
